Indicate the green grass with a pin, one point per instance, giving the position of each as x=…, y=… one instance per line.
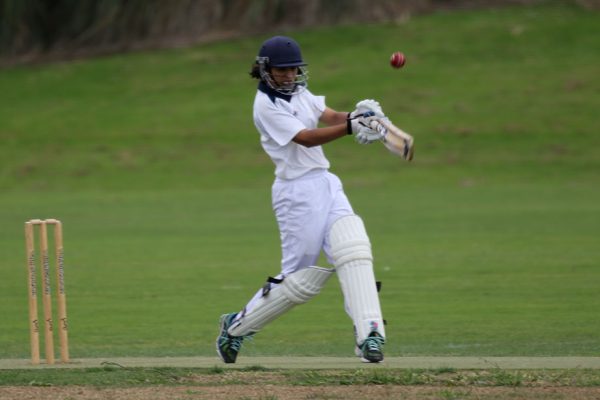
x=487, y=244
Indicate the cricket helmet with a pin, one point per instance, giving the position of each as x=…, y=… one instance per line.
x=282, y=52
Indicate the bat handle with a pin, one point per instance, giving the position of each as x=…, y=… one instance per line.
x=379, y=127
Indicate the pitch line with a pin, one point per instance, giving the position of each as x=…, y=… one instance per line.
x=322, y=363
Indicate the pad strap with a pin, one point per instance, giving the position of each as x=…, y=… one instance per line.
x=267, y=287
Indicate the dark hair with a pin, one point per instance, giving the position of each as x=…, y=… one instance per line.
x=255, y=71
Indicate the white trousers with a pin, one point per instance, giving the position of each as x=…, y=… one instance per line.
x=305, y=209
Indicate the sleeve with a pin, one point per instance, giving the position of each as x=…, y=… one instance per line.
x=319, y=104
x=278, y=123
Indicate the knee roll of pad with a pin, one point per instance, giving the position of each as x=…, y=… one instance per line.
x=302, y=285
x=349, y=241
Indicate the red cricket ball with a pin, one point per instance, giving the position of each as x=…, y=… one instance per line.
x=397, y=60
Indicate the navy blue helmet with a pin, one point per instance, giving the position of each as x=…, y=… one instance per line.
x=282, y=52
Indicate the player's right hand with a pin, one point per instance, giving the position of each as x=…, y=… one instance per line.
x=366, y=135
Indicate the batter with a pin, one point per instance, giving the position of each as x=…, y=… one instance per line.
x=312, y=211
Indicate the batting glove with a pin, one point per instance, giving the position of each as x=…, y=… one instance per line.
x=371, y=133
x=359, y=121
x=368, y=105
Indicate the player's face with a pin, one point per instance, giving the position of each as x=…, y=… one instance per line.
x=284, y=77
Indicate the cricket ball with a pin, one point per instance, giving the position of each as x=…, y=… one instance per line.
x=397, y=60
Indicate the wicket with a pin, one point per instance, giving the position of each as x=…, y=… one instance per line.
x=46, y=293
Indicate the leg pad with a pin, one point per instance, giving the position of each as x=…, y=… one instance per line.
x=296, y=288
x=351, y=253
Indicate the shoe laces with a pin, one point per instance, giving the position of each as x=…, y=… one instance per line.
x=373, y=343
x=235, y=342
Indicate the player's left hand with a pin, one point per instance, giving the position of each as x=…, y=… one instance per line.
x=368, y=105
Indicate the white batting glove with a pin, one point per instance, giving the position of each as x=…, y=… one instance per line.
x=371, y=131
x=368, y=105
x=356, y=118
x=352, y=126
x=356, y=123
x=359, y=122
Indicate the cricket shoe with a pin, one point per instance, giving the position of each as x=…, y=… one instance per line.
x=228, y=346
x=370, y=351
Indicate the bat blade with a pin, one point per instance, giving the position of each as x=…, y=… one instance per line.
x=397, y=141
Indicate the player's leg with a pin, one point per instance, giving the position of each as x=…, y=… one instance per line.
x=349, y=248
x=280, y=297
x=276, y=298
x=302, y=226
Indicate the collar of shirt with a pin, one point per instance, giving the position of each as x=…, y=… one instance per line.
x=263, y=87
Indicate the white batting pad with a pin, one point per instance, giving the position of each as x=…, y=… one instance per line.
x=296, y=288
x=352, y=257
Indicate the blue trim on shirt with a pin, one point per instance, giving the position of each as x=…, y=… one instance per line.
x=263, y=87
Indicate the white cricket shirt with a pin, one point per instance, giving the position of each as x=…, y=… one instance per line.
x=278, y=119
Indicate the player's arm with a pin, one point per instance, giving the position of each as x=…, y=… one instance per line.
x=332, y=117
x=337, y=127
x=319, y=136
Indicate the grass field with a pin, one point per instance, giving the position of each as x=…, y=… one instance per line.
x=487, y=244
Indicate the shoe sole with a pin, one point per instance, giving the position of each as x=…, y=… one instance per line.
x=370, y=361
x=359, y=354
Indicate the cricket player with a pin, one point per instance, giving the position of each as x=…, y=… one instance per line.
x=311, y=208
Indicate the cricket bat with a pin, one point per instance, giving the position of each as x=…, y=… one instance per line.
x=395, y=139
